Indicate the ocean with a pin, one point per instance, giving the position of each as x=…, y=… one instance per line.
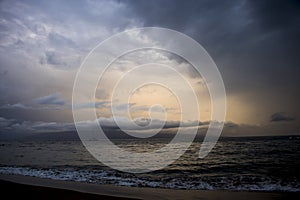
x=244, y=163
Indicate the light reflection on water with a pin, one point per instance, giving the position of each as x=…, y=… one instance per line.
x=241, y=163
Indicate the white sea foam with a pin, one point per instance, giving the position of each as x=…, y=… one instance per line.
x=115, y=178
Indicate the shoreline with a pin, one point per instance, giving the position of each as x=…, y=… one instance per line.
x=40, y=192
x=81, y=190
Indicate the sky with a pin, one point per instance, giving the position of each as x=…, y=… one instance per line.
x=255, y=45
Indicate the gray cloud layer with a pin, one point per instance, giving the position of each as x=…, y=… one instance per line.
x=254, y=43
x=52, y=99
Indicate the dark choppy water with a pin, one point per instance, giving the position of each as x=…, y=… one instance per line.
x=264, y=164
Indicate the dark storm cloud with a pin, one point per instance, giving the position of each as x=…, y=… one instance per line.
x=247, y=39
x=276, y=15
x=254, y=44
x=280, y=116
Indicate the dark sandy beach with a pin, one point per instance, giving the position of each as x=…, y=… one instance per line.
x=39, y=192
x=37, y=188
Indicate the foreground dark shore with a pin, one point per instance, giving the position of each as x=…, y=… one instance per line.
x=37, y=188
x=39, y=192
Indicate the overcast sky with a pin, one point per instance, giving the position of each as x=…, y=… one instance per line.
x=255, y=45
